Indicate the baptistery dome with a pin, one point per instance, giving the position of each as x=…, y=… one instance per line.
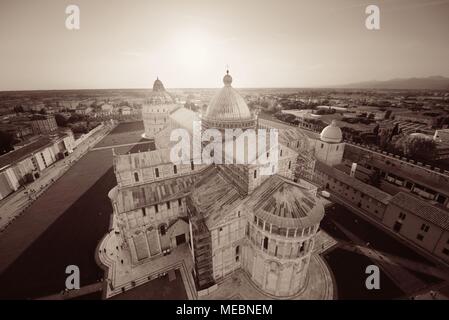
x=159, y=95
x=156, y=109
x=332, y=133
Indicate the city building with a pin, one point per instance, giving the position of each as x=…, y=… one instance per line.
x=441, y=135
x=42, y=124
x=24, y=165
x=232, y=216
x=420, y=223
x=402, y=174
x=352, y=190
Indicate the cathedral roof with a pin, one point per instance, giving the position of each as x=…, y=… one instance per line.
x=140, y=196
x=228, y=104
x=214, y=195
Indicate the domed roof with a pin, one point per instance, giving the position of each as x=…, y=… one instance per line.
x=228, y=104
x=159, y=95
x=286, y=204
x=332, y=133
x=158, y=85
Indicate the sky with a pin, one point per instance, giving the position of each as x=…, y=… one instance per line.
x=190, y=43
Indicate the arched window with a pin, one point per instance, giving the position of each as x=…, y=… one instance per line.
x=156, y=172
x=289, y=165
x=237, y=250
x=192, y=165
x=265, y=243
x=136, y=176
x=175, y=169
x=255, y=174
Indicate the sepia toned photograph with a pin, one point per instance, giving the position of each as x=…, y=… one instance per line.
x=225, y=156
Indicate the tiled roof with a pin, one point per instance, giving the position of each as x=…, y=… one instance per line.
x=136, y=197
x=367, y=189
x=214, y=195
x=422, y=208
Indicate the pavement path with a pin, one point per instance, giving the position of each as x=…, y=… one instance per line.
x=122, y=145
x=403, y=278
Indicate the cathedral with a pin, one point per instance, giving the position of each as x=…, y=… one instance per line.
x=229, y=216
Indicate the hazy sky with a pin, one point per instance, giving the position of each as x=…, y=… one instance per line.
x=188, y=43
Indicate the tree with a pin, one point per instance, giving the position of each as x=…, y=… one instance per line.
x=7, y=141
x=80, y=128
x=418, y=147
x=61, y=121
x=375, y=178
x=75, y=118
x=376, y=129
x=18, y=109
x=394, y=131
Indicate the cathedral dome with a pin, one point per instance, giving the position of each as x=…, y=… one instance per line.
x=332, y=133
x=228, y=104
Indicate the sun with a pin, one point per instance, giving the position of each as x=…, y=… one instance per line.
x=193, y=49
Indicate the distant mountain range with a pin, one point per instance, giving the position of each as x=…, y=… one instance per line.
x=430, y=83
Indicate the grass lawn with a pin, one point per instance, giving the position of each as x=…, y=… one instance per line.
x=124, y=133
